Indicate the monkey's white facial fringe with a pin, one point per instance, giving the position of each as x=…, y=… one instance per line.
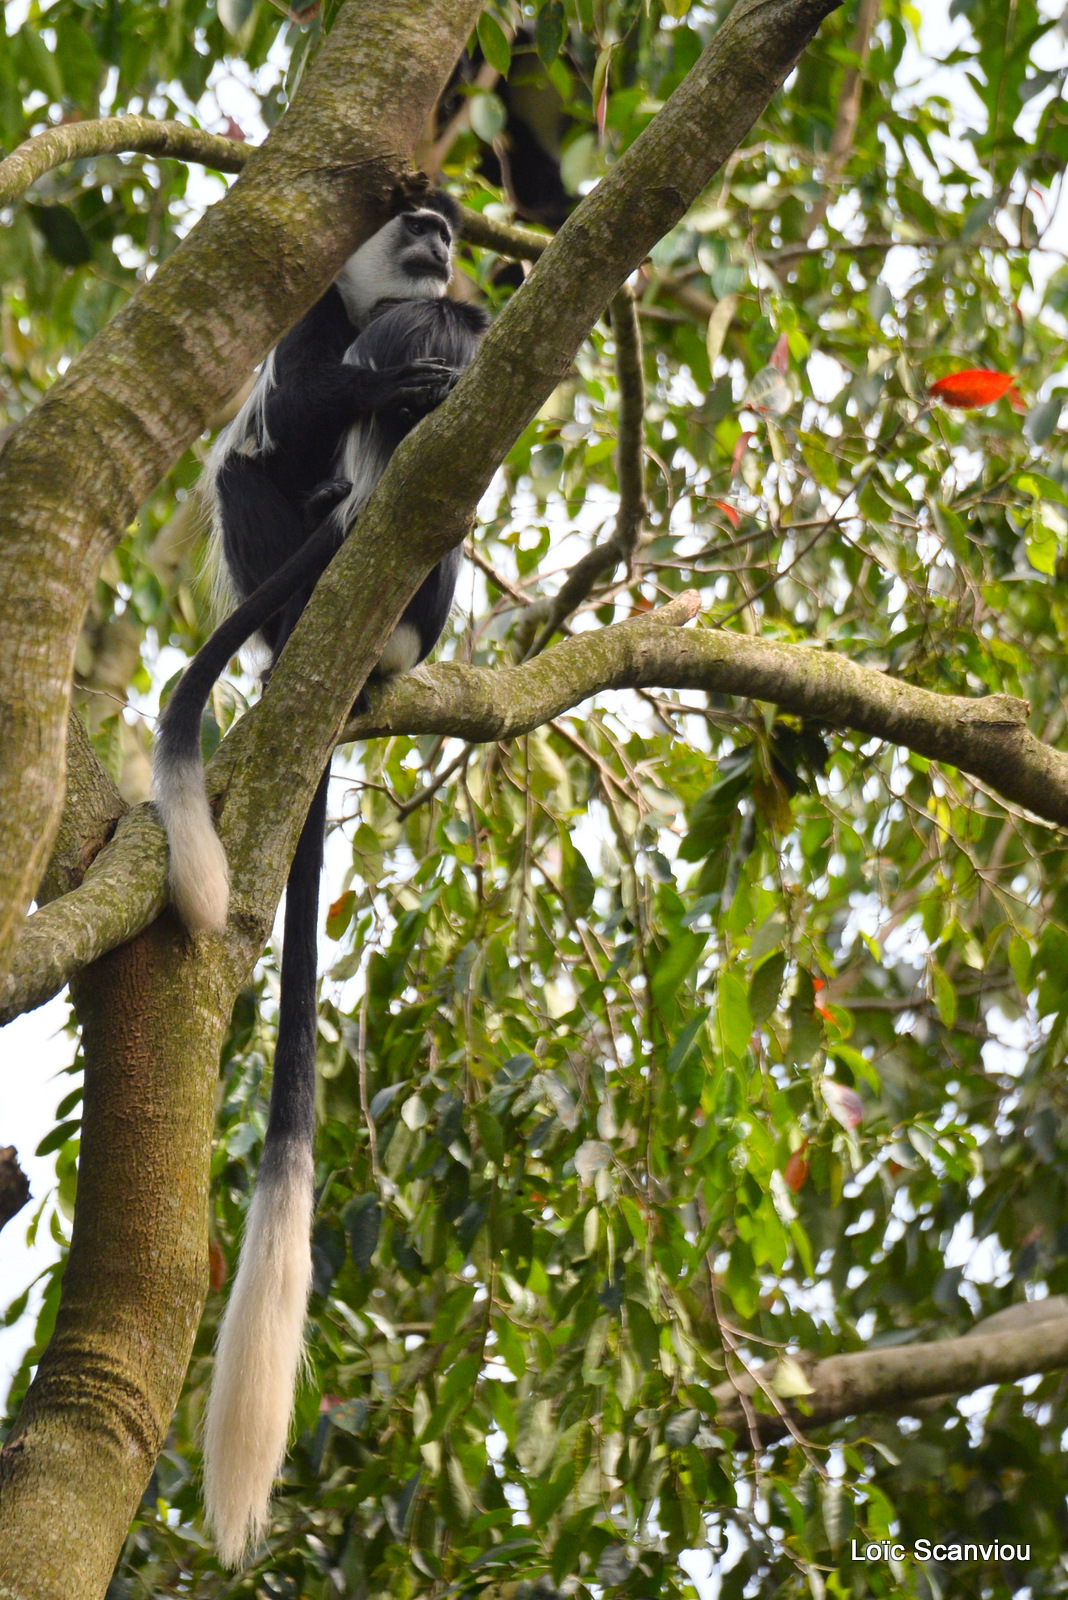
x=374, y=273
x=199, y=874
x=258, y=1356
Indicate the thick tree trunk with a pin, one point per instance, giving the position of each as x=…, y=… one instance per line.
x=73, y=474
x=94, y=1420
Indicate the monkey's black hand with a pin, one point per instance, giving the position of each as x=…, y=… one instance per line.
x=322, y=501
x=420, y=387
x=413, y=389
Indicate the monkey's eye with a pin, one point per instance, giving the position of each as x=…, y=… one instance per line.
x=416, y=225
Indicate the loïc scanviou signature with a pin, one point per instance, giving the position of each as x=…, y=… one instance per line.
x=929, y=1550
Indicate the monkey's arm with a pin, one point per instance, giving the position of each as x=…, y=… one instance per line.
x=331, y=397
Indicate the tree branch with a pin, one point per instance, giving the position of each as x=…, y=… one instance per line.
x=518, y=244
x=107, y=136
x=438, y=474
x=895, y=1378
x=987, y=738
x=630, y=468
x=74, y=472
x=848, y=115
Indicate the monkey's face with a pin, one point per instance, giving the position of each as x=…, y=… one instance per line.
x=408, y=259
x=425, y=245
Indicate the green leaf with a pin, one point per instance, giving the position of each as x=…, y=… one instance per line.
x=675, y=963
x=78, y=62
x=1042, y=419
x=1019, y=961
x=685, y=1042
x=362, y=1218
x=495, y=46
x=550, y=29
x=491, y=1135
x=451, y=1313
x=340, y=914
x=510, y=1346
x=577, y=881
x=766, y=986
x=945, y=995
x=634, y=1220
x=58, y=1136
x=488, y=116
x=735, y=1021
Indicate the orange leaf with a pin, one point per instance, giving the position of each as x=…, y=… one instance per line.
x=739, y=452
x=975, y=387
x=728, y=511
x=796, y=1171
x=342, y=903
x=780, y=356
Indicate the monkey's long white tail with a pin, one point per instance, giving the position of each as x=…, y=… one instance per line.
x=199, y=874
x=259, y=1352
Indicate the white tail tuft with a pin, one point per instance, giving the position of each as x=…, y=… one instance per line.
x=199, y=874
x=258, y=1354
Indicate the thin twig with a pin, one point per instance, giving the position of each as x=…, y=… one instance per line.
x=848, y=115
x=630, y=469
x=421, y=796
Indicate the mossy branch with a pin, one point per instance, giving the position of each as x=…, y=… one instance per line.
x=987, y=738
x=107, y=136
x=131, y=135
x=437, y=476
x=893, y=1379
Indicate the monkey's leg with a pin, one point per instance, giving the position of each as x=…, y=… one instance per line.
x=260, y=528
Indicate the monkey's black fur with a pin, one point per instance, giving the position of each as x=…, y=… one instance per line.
x=287, y=480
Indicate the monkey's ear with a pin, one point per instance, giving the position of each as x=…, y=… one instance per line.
x=411, y=190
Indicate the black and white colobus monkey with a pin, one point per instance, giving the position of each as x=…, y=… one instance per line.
x=286, y=481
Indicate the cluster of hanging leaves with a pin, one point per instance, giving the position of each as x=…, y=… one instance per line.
x=680, y=1033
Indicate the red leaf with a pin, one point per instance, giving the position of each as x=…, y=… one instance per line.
x=780, y=356
x=739, y=452
x=975, y=387
x=796, y=1171
x=234, y=130
x=728, y=511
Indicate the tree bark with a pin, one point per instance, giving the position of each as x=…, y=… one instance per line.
x=95, y=1417
x=987, y=738
x=892, y=1379
x=73, y=474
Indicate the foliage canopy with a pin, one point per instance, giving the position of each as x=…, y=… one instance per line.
x=591, y=999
